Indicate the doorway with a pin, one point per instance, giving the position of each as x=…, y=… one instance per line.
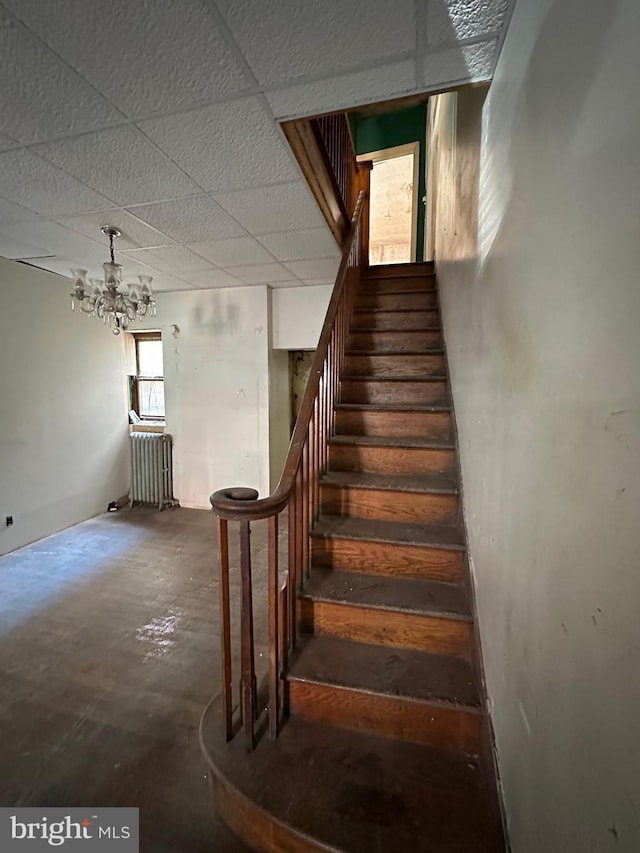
x=393, y=218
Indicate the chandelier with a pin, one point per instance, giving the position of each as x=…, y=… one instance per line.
x=115, y=307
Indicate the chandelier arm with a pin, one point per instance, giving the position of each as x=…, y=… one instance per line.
x=115, y=308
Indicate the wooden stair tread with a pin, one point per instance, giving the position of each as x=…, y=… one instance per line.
x=396, y=290
x=391, y=441
x=372, y=330
x=434, y=483
x=352, y=791
x=390, y=532
x=392, y=407
x=346, y=377
x=377, y=352
x=411, y=268
x=394, y=311
x=383, y=592
x=390, y=671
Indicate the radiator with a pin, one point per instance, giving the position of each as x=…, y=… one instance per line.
x=151, y=469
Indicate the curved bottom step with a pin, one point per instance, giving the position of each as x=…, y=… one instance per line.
x=320, y=788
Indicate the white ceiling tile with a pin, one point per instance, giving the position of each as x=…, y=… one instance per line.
x=167, y=283
x=28, y=180
x=318, y=268
x=469, y=62
x=131, y=267
x=262, y=273
x=287, y=206
x=93, y=264
x=301, y=245
x=122, y=164
x=58, y=240
x=41, y=96
x=213, y=278
x=12, y=248
x=167, y=55
x=385, y=81
x=295, y=283
x=61, y=266
x=230, y=253
x=280, y=38
x=189, y=220
x=135, y=234
x=226, y=146
x=175, y=260
x=7, y=142
x=10, y=212
x=316, y=282
x=449, y=21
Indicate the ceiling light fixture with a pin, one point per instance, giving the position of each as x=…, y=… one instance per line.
x=114, y=307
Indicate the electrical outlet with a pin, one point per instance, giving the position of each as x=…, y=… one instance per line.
x=9, y=520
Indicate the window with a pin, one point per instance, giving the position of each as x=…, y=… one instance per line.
x=148, y=384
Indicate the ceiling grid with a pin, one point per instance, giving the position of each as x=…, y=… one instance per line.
x=162, y=118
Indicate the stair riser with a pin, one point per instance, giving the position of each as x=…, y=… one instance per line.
x=436, y=634
x=390, y=716
x=369, y=391
x=431, y=425
x=396, y=320
x=388, y=285
x=390, y=460
x=402, y=341
x=408, y=301
x=382, y=558
x=387, y=505
x=395, y=366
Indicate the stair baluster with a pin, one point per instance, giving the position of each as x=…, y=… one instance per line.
x=299, y=493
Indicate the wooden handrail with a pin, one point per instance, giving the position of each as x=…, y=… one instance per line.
x=223, y=501
x=324, y=151
x=299, y=491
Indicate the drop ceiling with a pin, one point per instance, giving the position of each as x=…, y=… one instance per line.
x=162, y=117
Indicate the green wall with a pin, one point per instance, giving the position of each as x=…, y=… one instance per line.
x=374, y=133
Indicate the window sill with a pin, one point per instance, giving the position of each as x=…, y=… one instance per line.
x=149, y=426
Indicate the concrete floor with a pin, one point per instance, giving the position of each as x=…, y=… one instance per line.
x=108, y=655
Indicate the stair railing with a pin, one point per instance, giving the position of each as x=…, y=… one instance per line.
x=299, y=493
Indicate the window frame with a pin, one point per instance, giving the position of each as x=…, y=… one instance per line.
x=135, y=391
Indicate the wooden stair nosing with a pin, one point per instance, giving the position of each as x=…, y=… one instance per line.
x=357, y=310
x=375, y=352
x=395, y=595
x=425, y=536
x=429, y=331
x=426, y=408
x=432, y=632
x=411, y=269
x=398, y=559
x=405, y=673
x=346, y=377
x=407, y=442
x=416, y=721
x=396, y=291
x=433, y=484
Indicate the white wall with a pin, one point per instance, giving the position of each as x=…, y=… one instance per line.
x=298, y=315
x=279, y=404
x=63, y=423
x=217, y=389
x=542, y=323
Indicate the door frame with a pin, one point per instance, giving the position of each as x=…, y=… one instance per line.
x=383, y=154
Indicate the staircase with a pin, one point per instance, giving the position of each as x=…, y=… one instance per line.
x=387, y=744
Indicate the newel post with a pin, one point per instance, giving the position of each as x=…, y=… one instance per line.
x=248, y=688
